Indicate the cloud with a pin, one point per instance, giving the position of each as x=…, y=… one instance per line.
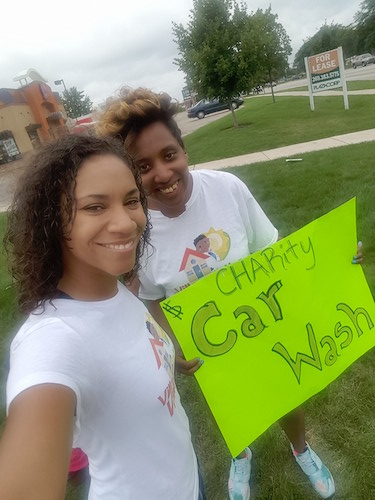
x=98, y=47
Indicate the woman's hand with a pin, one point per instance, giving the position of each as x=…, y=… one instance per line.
x=358, y=257
x=187, y=367
x=182, y=366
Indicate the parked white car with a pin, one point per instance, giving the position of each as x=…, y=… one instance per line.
x=363, y=60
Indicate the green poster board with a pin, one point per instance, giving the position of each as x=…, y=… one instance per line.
x=277, y=327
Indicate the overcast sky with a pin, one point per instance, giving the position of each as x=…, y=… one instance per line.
x=100, y=46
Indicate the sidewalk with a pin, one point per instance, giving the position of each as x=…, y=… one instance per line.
x=290, y=151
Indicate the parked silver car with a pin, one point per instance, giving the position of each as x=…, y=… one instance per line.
x=363, y=60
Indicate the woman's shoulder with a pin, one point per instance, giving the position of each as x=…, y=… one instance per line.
x=217, y=179
x=216, y=176
x=41, y=329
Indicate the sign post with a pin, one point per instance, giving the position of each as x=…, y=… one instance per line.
x=344, y=88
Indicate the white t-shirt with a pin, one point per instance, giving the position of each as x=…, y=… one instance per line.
x=120, y=364
x=222, y=209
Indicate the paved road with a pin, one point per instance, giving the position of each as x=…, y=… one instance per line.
x=10, y=172
x=188, y=125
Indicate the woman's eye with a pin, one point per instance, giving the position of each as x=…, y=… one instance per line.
x=169, y=156
x=94, y=208
x=133, y=203
x=143, y=167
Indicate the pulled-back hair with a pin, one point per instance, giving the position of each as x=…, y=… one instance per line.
x=126, y=115
x=42, y=209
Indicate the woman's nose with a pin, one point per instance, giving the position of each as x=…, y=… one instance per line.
x=161, y=172
x=120, y=221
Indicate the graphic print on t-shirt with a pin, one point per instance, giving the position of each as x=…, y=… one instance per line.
x=164, y=355
x=210, y=248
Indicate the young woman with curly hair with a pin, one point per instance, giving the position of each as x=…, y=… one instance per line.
x=185, y=207
x=89, y=367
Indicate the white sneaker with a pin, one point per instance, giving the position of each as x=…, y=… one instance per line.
x=319, y=475
x=239, y=477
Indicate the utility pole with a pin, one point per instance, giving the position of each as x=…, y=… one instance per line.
x=59, y=82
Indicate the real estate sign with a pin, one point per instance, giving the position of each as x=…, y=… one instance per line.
x=326, y=71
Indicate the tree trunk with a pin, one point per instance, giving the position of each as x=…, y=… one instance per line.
x=235, y=121
x=270, y=77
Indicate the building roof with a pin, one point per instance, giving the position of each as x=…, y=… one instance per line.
x=31, y=73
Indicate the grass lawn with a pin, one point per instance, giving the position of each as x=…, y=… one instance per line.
x=8, y=315
x=340, y=420
x=266, y=125
x=351, y=85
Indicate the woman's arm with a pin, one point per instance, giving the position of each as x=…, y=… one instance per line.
x=36, y=444
x=183, y=366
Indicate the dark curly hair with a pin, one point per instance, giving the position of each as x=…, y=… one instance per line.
x=126, y=115
x=38, y=219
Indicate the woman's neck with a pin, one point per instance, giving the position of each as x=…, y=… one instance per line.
x=168, y=211
x=88, y=289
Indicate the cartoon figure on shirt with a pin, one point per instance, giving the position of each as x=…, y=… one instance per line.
x=210, y=248
x=164, y=355
x=203, y=245
x=219, y=242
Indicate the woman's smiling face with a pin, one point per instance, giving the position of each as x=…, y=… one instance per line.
x=108, y=221
x=163, y=165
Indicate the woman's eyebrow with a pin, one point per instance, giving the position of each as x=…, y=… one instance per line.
x=95, y=196
x=141, y=158
x=104, y=196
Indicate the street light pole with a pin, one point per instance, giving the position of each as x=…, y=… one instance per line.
x=59, y=82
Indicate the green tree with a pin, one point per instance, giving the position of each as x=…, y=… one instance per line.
x=223, y=49
x=76, y=103
x=327, y=38
x=209, y=49
x=365, y=26
x=267, y=40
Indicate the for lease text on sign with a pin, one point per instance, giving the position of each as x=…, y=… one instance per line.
x=325, y=72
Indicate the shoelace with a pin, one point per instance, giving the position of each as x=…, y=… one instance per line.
x=241, y=466
x=308, y=463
